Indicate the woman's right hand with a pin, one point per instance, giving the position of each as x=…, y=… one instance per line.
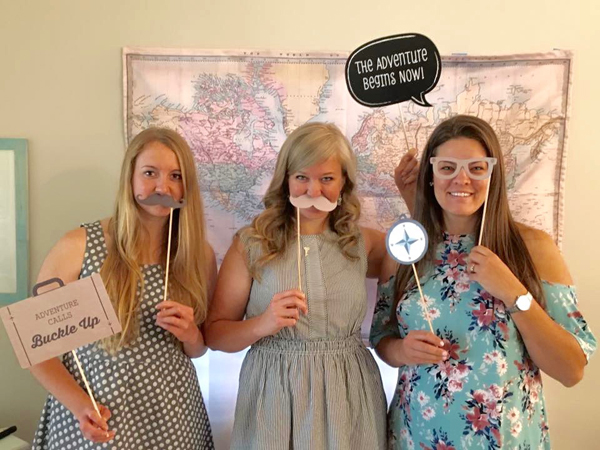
x=405, y=177
x=421, y=347
x=283, y=311
x=93, y=426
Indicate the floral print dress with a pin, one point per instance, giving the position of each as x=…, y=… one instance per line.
x=488, y=393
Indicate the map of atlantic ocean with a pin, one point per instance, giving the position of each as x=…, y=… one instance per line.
x=235, y=109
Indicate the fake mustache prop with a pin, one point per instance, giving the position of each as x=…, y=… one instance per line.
x=321, y=203
x=162, y=200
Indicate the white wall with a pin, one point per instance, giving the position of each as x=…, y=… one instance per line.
x=60, y=88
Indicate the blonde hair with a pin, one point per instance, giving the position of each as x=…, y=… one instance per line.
x=274, y=229
x=121, y=270
x=501, y=234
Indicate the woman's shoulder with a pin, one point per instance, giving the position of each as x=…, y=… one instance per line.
x=545, y=254
x=371, y=237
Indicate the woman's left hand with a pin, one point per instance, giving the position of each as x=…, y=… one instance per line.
x=485, y=267
x=179, y=320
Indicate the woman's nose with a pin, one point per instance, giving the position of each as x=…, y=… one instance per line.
x=314, y=189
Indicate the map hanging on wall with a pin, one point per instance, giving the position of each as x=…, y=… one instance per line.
x=235, y=109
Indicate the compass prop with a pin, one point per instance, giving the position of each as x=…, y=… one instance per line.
x=406, y=243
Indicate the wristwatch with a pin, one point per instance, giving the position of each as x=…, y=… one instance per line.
x=522, y=303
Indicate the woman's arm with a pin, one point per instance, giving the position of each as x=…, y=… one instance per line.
x=64, y=261
x=375, y=249
x=418, y=347
x=553, y=349
x=226, y=329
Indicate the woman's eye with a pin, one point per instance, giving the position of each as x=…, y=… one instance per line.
x=149, y=173
x=327, y=179
x=177, y=176
x=300, y=177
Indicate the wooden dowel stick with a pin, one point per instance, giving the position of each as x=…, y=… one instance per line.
x=423, y=303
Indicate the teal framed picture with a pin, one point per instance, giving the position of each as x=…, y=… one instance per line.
x=14, y=226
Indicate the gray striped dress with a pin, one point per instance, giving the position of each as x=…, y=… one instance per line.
x=315, y=385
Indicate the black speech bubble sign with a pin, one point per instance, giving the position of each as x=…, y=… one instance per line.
x=393, y=69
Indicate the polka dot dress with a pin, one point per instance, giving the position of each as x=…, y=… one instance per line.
x=150, y=387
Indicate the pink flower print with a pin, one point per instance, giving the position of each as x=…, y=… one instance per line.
x=484, y=316
x=451, y=348
x=480, y=396
x=504, y=330
x=478, y=421
x=513, y=415
x=497, y=435
x=496, y=391
x=453, y=274
x=455, y=258
x=422, y=398
x=428, y=413
x=515, y=428
x=434, y=313
x=461, y=287
x=501, y=366
x=488, y=358
x=462, y=369
x=443, y=446
x=455, y=385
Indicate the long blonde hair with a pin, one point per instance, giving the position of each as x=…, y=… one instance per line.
x=501, y=234
x=121, y=270
x=273, y=230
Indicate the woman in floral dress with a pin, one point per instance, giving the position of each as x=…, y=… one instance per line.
x=502, y=312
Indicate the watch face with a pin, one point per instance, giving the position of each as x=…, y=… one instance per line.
x=523, y=302
x=406, y=241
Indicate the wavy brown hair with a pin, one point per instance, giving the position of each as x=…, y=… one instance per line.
x=501, y=234
x=121, y=271
x=274, y=229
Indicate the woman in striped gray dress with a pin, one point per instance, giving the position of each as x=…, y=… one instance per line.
x=308, y=382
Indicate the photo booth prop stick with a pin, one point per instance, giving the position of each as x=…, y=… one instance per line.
x=168, y=202
x=406, y=242
x=58, y=321
x=304, y=202
x=393, y=69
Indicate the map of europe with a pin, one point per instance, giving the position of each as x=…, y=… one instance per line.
x=236, y=108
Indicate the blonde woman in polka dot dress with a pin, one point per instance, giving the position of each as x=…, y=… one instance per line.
x=142, y=378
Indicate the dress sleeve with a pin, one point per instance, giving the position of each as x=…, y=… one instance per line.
x=382, y=326
x=561, y=305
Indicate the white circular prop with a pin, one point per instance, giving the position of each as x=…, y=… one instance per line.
x=406, y=241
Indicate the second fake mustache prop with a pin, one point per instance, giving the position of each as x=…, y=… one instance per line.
x=320, y=202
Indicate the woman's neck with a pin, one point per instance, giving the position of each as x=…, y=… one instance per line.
x=316, y=226
x=152, y=249
x=460, y=224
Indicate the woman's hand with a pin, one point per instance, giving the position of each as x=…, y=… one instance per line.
x=421, y=347
x=93, y=426
x=405, y=177
x=179, y=320
x=283, y=311
x=485, y=267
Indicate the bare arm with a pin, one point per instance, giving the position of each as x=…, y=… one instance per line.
x=226, y=329
x=64, y=261
x=375, y=249
x=553, y=349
